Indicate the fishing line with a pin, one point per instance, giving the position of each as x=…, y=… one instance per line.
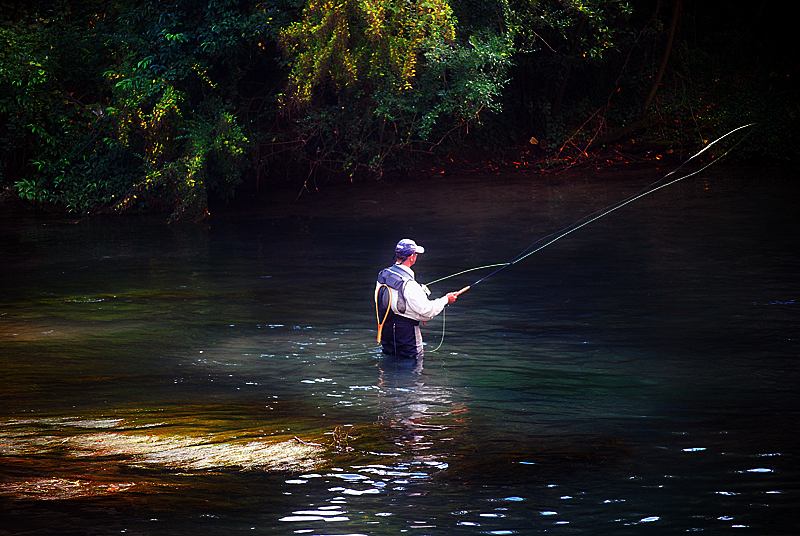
x=590, y=218
x=582, y=222
x=594, y=216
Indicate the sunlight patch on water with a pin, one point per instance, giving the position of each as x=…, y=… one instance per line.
x=196, y=453
x=193, y=453
x=63, y=488
x=76, y=445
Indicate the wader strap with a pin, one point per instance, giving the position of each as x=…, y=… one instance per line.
x=388, y=309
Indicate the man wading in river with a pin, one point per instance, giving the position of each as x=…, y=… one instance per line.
x=401, y=303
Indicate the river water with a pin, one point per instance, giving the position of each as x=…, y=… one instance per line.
x=638, y=376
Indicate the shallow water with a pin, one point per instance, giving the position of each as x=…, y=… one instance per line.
x=637, y=376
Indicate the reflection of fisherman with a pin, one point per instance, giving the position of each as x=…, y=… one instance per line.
x=401, y=303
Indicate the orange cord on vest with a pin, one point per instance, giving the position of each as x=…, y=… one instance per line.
x=378, y=314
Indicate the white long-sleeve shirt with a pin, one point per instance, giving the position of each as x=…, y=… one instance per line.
x=418, y=306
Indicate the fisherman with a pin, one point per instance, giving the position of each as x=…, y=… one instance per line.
x=401, y=303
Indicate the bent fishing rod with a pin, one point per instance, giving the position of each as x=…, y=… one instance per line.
x=593, y=217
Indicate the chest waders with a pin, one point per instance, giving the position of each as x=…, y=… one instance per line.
x=389, y=291
x=402, y=337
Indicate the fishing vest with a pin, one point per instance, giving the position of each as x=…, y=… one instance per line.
x=389, y=290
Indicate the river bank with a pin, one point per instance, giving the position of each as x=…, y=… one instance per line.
x=530, y=163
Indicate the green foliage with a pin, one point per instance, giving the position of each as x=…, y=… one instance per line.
x=459, y=83
x=551, y=24
x=24, y=98
x=206, y=146
x=152, y=105
x=359, y=44
x=374, y=77
x=53, y=117
x=562, y=67
x=81, y=183
x=126, y=105
x=167, y=108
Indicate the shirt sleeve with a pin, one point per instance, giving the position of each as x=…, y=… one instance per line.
x=418, y=306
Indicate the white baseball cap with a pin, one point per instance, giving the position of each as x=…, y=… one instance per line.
x=407, y=247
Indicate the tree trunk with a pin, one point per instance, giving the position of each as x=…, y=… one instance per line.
x=575, y=42
x=676, y=8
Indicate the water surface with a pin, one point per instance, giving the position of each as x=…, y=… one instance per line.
x=637, y=376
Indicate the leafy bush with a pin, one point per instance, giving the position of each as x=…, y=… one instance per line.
x=125, y=105
x=372, y=78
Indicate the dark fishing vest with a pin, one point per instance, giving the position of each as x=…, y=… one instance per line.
x=394, y=278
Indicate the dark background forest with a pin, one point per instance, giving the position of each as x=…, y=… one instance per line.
x=143, y=105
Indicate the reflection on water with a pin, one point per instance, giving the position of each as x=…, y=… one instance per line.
x=408, y=446
x=640, y=375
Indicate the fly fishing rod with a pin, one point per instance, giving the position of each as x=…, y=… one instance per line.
x=582, y=222
x=586, y=220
